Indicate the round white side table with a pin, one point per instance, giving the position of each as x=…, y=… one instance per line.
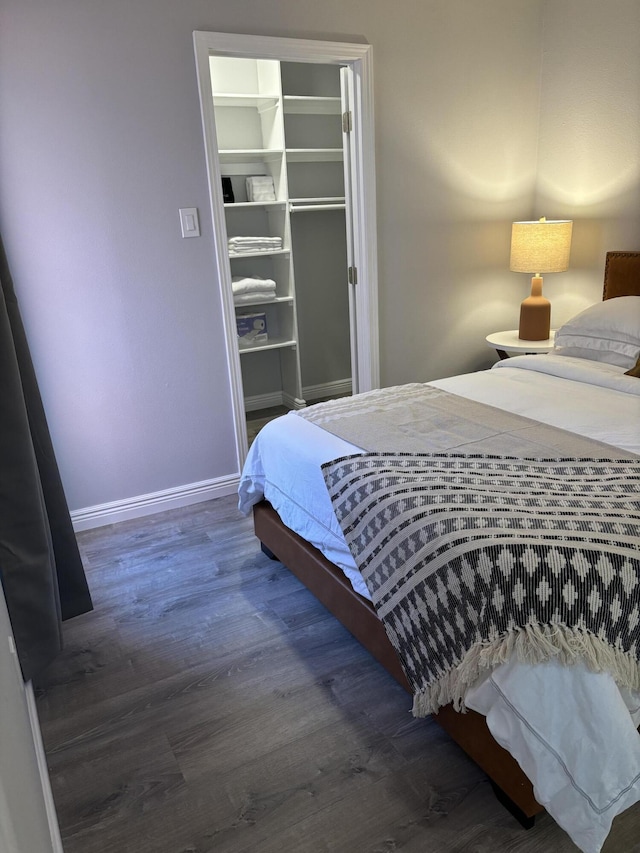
x=509, y=342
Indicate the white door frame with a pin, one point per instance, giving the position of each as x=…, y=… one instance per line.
x=359, y=58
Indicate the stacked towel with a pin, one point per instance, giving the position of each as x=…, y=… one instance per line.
x=241, y=245
x=260, y=188
x=252, y=289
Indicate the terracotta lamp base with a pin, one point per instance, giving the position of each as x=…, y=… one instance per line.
x=535, y=314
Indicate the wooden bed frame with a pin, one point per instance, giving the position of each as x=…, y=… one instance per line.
x=329, y=585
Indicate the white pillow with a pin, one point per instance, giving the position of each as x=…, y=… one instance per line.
x=608, y=331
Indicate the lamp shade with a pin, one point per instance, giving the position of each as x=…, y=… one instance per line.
x=541, y=246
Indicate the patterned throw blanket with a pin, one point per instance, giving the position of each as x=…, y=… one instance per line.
x=471, y=559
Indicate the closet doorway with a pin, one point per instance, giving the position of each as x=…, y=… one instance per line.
x=288, y=129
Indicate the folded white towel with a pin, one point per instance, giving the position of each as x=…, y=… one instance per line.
x=238, y=245
x=243, y=298
x=260, y=188
x=252, y=284
x=247, y=250
x=252, y=241
x=249, y=247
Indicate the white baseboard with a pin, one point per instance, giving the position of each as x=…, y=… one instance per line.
x=137, y=507
x=310, y=392
x=141, y=505
x=263, y=401
x=327, y=389
x=293, y=403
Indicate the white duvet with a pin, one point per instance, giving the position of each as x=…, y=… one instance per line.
x=572, y=731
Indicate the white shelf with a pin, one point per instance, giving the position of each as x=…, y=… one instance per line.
x=312, y=105
x=252, y=132
x=272, y=344
x=275, y=301
x=248, y=155
x=261, y=102
x=313, y=155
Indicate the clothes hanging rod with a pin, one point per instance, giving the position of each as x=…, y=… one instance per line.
x=301, y=208
x=325, y=199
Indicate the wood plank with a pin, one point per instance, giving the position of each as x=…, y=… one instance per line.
x=210, y=703
x=329, y=585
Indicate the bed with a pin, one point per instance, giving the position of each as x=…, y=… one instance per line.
x=295, y=521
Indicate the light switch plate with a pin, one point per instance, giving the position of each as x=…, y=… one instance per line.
x=189, y=222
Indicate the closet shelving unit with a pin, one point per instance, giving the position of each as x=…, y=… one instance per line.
x=293, y=138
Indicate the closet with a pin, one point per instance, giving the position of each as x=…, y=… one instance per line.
x=279, y=140
x=292, y=194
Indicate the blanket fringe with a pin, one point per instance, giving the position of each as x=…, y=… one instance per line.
x=531, y=644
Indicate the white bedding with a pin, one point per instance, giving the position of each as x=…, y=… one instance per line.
x=534, y=386
x=594, y=399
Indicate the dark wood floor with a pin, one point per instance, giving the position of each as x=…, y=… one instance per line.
x=257, y=419
x=209, y=703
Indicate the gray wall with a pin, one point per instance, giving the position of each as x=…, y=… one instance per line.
x=589, y=150
x=322, y=298
x=101, y=144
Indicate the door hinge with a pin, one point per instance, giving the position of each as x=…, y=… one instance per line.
x=353, y=275
x=347, y=122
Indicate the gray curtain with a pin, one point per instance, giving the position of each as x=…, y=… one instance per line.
x=40, y=566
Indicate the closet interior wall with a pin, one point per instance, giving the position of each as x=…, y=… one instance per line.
x=283, y=121
x=319, y=235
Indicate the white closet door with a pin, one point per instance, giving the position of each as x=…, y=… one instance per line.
x=347, y=95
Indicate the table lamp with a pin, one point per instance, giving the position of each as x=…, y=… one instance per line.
x=538, y=247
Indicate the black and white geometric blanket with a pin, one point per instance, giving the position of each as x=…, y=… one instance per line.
x=471, y=559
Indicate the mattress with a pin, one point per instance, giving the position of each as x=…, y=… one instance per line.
x=527, y=708
x=535, y=387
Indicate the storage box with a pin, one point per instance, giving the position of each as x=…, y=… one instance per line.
x=252, y=329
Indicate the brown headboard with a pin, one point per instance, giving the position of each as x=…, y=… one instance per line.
x=621, y=274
